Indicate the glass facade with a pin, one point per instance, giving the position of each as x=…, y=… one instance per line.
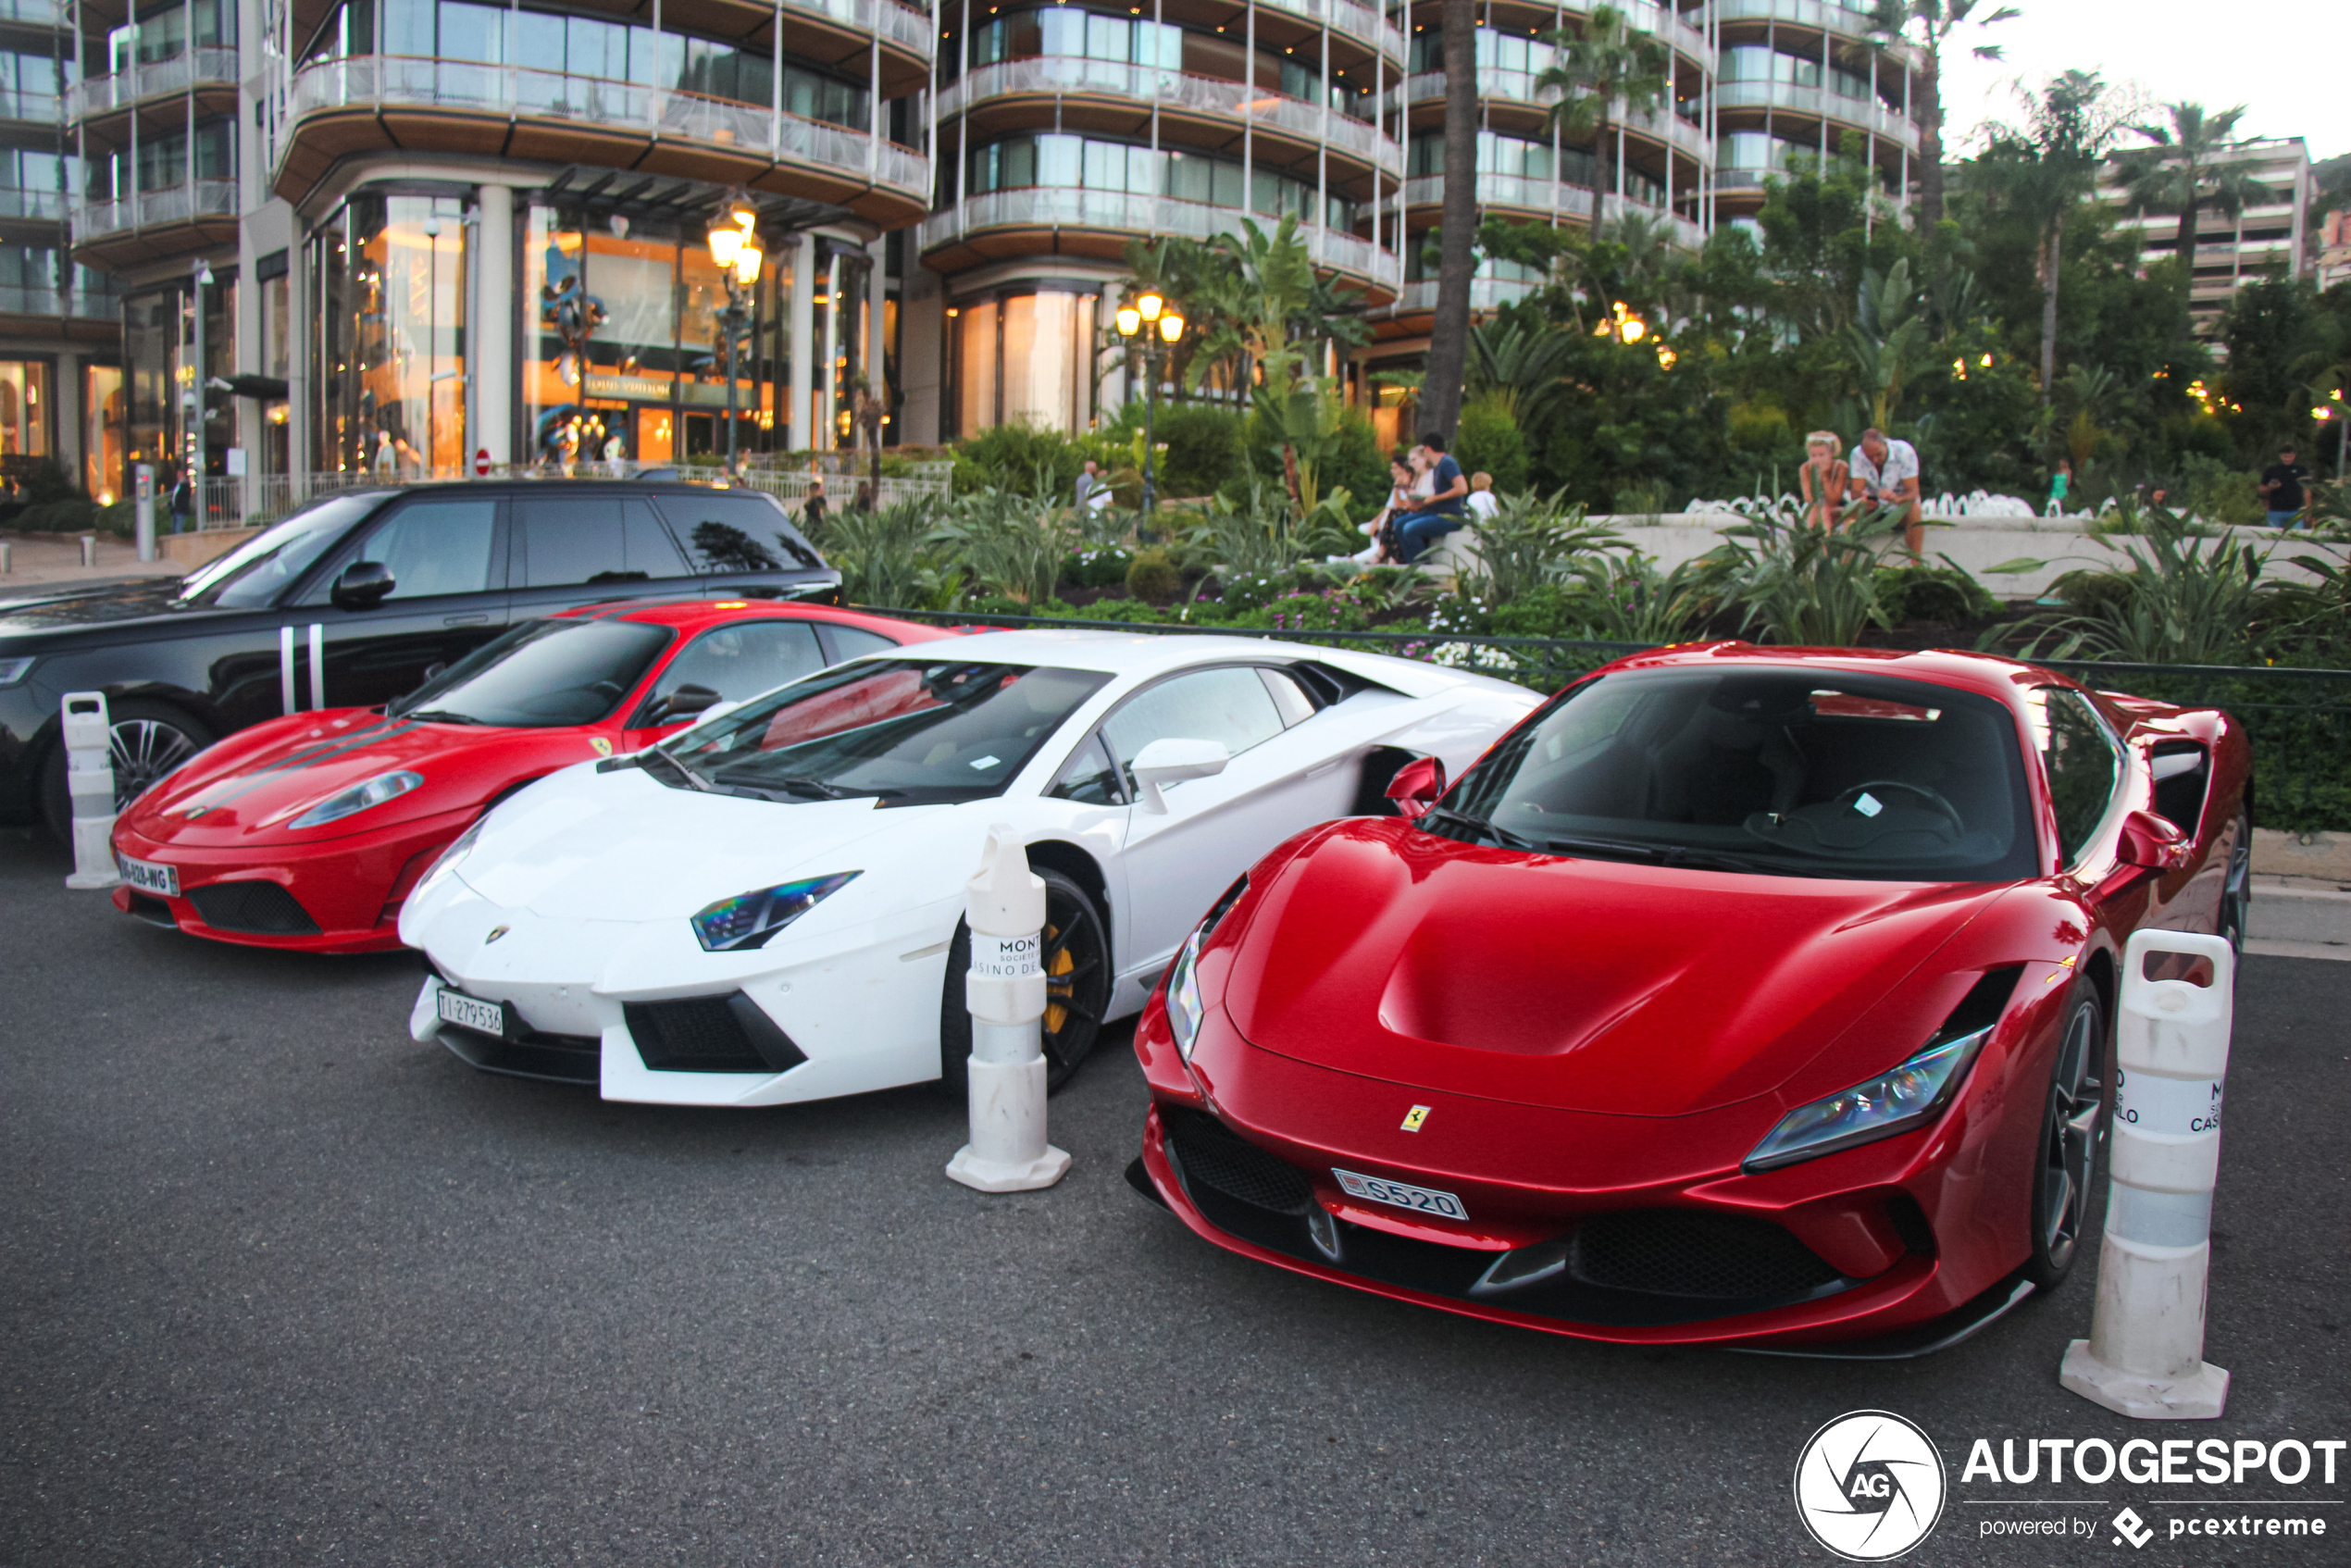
x=1052, y=159
x=1070, y=32
x=102, y=432
x=24, y=408
x=160, y=347
x=1025, y=358
x=390, y=275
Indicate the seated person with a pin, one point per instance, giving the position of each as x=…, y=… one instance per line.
x=1400, y=499
x=1442, y=511
x=1483, y=503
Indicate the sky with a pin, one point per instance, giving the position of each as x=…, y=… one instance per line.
x=2289, y=64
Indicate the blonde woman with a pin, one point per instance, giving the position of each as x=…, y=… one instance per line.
x=1823, y=478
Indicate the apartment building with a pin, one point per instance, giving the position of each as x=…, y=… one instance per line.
x=2268, y=237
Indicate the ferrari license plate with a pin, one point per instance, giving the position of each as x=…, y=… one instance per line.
x=1402, y=1195
x=471, y=1012
x=149, y=877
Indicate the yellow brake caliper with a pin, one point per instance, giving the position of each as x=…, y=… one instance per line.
x=1057, y=991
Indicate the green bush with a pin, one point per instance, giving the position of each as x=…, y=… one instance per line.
x=1332, y=610
x=1151, y=577
x=1203, y=446
x=1489, y=442
x=1944, y=595
x=1026, y=460
x=1548, y=609
x=1097, y=566
x=72, y=514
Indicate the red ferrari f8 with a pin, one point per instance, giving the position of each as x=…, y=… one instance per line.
x=1755, y=995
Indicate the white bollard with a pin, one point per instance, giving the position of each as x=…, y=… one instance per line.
x=2145, y=1355
x=90, y=784
x=1004, y=904
x=89, y=549
x=142, y=508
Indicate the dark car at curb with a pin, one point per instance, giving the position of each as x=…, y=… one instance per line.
x=388, y=583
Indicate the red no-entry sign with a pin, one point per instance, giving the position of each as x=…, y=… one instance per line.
x=481, y=462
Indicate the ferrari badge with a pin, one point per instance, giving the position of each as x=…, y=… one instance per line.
x=1415, y=1117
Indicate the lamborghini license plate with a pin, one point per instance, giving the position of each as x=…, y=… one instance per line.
x=148, y=877
x=1402, y=1195
x=471, y=1012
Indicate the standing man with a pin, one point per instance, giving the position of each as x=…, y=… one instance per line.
x=1885, y=473
x=1088, y=480
x=811, y=511
x=2282, y=488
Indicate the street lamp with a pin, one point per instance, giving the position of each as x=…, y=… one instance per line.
x=2334, y=409
x=1146, y=317
x=734, y=246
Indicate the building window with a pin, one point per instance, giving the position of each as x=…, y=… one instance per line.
x=1025, y=358
x=390, y=273
x=102, y=431
x=1063, y=161
x=24, y=413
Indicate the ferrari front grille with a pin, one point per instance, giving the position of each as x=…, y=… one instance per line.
x=1691, y=1254
x=1217, y=1157
x=710, y=1034
x=264, y=909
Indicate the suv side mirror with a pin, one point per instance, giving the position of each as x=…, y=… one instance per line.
x=363, y=586
x=1171, y=760
x=2150, y=843
x=684, y=703
x=1416, y=786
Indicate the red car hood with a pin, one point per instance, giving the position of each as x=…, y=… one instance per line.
x=249, y=787
x=1581, y=985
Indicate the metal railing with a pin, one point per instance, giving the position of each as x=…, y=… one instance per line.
x=17, y=300
x=1840, y=20
x=1549, y=195
x=1880, y=118
x=206, y=64
x=1069, y=207
x=519, y=92
x=39, y=205
x=1519, y=87
x=149, y=209
x=1486, y=294
x=1064, y=74
x=1359, y=22
x=896, y=23
x=34, y=108
x=33, y=13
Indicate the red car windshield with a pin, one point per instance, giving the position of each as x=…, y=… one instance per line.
x=1784, y=771
x=910, y=731
x=539, y=676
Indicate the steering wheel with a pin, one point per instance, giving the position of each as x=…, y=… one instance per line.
x=1950, y=811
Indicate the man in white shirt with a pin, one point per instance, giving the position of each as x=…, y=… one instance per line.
x=1885, y=473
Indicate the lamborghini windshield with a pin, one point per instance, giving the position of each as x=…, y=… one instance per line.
x=1777, y=771
x=911, y=731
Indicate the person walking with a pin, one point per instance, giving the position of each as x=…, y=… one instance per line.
x=1823, y=479
x=2059, y=482
x=1884, y=472
x=2282, y=488
x=811, y=511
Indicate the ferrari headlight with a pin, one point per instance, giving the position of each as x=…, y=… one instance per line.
x=1909, y=1096
x=747, y=920
x=1184, y=1005
x=358, y=798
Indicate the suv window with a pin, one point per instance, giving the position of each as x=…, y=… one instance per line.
x=433, y=548
x=568, y=540
x=740, y=662
x=738, y=531
x=1229, y=704
x=2082, y=769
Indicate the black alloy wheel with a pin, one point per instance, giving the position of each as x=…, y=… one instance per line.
x=2236, y=891
x=1076, y=963
x=145, y=741
x=2075, y=1121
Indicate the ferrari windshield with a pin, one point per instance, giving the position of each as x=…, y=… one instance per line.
x=912, y=732
x=540, y=675
x=1785, y=771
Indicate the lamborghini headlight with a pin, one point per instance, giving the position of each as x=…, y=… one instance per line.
x=446, y=861
x=1183, y=1004
x=358, y=798
x=1909, y=1096
x=747, y=920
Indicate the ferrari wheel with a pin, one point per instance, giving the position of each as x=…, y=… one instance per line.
x=2073, y=1130
x=147, y=740
x=2236, y=892
x=1076, y=963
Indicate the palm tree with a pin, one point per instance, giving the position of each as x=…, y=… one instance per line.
x=1937, y=20
x=1609, y=62
x=2041, y=172
x=2187, y=169
x=1457, y=230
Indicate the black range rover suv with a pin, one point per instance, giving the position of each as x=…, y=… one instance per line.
x=387, y=584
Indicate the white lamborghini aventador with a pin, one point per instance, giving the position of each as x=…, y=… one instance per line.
x=768, y=907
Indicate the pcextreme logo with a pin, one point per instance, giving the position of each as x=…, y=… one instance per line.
x=1870, y=1485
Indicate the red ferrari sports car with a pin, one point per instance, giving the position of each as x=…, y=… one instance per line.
x=307, y=831
x=1744, y=995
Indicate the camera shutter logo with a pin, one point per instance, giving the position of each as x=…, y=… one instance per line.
x=1870, y=1485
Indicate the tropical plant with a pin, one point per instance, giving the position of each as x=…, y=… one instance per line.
x=1626, y=598
x=2184, y=598
x=1518, y=368
x=1608, y=62
x=1936, y=21
x=1261, y=536
x=2188, y=168
x=886, y=555
x=1887, y=339
x=1529, y=540
x=1489, y=442
x=1804, y=585
x=1008, y=543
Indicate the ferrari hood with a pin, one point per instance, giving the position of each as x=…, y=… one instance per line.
x=622, y=846
x=250, y=787
x=1580, y=985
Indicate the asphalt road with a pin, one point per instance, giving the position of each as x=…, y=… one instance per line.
x=279, y=1286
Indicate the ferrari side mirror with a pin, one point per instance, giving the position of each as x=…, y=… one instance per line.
x=685, y=702
x=363, y=586
x=1416, y=786
x=1171, y=760
x=2150, y=843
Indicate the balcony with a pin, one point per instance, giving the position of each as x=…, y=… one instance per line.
x=1839, y=19
x=177, y=220
x=1518, y=87
x=69, y=304
x=1815, y=103
x=204, y=67
x=339, y=108
x=1419, y=297
x=32, y=207
x=34, y=13
x=1041, y=220
x=893, y=23
x=1517, y=191
x=1212, y=99
x=1360, y=22
x=29, y=109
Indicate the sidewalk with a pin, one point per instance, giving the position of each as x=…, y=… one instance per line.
x=44, y=561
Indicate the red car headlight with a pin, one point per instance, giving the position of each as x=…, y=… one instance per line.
x=1912, y=1095
x=1184, y=1002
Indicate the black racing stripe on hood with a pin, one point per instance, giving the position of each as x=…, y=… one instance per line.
x=325, y=752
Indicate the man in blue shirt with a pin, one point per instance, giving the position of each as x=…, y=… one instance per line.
x=1445, y=507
